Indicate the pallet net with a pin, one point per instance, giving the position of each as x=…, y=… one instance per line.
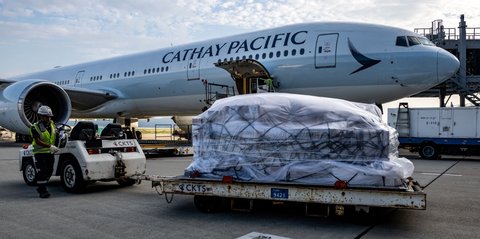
x=277, y=137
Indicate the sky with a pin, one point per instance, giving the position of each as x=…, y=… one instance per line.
x=41, y=34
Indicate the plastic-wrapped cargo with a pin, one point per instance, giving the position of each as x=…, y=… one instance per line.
x=277, y=137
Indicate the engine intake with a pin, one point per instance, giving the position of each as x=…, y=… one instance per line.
x=21, y=100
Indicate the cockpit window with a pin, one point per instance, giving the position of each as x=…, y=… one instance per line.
x=401, y=41
x=425, y=41
x=407, y=41
x=412, y=41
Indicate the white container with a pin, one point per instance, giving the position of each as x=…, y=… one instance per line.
x=458, y=122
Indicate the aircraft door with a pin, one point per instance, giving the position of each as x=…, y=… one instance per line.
x=78, y=78
x=193, y=69
x=326, y=50
x=249, y=75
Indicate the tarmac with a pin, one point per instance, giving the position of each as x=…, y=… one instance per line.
x=107, y=210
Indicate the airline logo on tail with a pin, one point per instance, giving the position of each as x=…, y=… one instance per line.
x=360, y=58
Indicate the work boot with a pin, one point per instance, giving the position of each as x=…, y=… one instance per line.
x=42, y=191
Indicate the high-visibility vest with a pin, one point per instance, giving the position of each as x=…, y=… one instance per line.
x=269, y=83
x=46, y=136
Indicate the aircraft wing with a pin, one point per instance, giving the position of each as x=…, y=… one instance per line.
x=84, y=99
x=5, y=81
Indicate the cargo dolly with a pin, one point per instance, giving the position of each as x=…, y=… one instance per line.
x=210, y=194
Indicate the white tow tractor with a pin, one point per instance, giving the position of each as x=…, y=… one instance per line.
x=84, y=157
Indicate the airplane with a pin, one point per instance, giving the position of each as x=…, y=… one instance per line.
x=359, y=62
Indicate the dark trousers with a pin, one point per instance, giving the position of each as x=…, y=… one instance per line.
x=44, y=167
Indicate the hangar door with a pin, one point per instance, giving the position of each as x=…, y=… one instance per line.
x=326, y=50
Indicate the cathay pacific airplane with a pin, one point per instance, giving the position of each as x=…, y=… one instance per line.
x=353, y=61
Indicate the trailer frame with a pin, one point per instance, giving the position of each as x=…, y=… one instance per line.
x=208, y=191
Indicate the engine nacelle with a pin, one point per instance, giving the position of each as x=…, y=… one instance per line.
x=20, y=101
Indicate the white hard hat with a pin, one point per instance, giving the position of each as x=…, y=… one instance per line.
x=45, y=110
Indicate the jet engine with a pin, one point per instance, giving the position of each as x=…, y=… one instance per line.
x=20, y=101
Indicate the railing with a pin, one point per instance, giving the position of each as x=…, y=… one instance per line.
x=472, y=33
x=172, y=132
x=216, y=91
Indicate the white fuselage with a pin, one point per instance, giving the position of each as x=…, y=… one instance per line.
x=314, y=59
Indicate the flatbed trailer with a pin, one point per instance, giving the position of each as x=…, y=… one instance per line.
x=175, y=147
x=209, y=194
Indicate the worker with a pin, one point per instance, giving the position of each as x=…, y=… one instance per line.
x=43, y=133
x=269, y=83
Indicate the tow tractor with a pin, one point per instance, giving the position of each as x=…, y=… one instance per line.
x=84, y=157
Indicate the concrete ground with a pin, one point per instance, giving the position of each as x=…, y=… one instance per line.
x=107, y=210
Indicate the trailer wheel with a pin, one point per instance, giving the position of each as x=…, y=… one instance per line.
x=29, y=173
x=125, y=182
x=207, y=204
x=71, y=177
x=429, y=151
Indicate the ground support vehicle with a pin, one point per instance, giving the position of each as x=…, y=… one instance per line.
x=5, y=134
x=174, y=147
x=212, y=194
x=85, y=158
x=168, y=139
x=435, y=131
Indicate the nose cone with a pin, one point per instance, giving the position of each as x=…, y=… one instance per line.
x=447, y=65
